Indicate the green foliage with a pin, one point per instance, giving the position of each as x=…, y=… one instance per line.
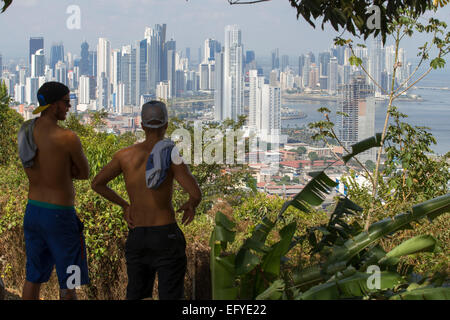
x=6, y=4
x=346, y=250
x=352, y=15
x=313, y=156
x=10, y=122
x=411, y=170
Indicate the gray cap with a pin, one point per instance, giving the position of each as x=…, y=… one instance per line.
x=154, y=111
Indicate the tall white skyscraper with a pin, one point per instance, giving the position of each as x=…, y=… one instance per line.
x=37, y=63
x=306, y=69
x=219, y=112
x=155, y=38
x=333, y=75
x=256, y=83
x=31, y=87
x=376, y=63
x=104, y=59
x=358, y=102
x=264, y=106
x=233, y=78
x=270, y=111
x=83, y=90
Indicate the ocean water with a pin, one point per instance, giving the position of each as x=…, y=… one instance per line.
x=432, y=112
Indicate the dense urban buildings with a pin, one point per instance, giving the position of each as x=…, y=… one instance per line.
x=118, y=79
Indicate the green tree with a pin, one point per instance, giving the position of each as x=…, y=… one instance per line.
x=10, y=122
x=301, y=150
x=313, y=156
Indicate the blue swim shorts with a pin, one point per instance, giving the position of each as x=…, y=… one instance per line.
x=54, y=236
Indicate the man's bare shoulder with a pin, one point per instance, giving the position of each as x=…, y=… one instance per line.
x=128, y=152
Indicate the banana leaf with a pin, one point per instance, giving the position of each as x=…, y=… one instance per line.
x=313, y=194
x=432, y=208
x=441, y=293
x=423, y=243
x=274, y=292
x=351, y=287
x=385, y=227
x=222, y=268
x=272, y=260
x=363, y=145
x=245, y=259
x=308, y=275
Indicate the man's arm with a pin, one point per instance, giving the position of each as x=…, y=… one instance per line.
x=189, y=184
x=101, y=180
x=100, y=185
x=79, y=166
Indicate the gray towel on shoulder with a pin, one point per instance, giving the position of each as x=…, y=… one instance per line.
x=163, y=154
x=27, y=146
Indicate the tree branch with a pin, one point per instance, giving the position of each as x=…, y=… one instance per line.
x=246, y=2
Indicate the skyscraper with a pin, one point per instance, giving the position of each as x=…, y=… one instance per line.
x=210, y=49
x=36, y=43
x=301, y=63
x=104, y=59
x=219, y=112
x=324, y=60
x=84, y=90
x=275, y=59
x=37, y=64
x=376, y=63
x=233, y=78
x=1, y=65
x=125, y=74
x=271, y=111
x=56, y=54
x=358, y=102
x=141, y=68
x=84, y=61
x=61, y=72
x=333, y=75
x=169, y=65
x=306, y=70
x=284, y=62
x=93, y=63
x=256, y=83
x=155, y=40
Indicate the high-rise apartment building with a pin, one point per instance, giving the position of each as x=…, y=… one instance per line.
x=84, y=61
x=36, y=43
x=358, y=102
x=275, y=59
x=233, y=77
x=84, y=90
x=38, y=64
x=333, y=76
x=56, y=54
x=376, y=63
x=103, y=59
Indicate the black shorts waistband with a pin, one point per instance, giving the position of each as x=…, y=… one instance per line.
x=166, y=227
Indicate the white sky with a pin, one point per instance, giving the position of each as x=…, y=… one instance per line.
x=265, y=26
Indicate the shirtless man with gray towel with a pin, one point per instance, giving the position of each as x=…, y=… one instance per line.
x=155, y=243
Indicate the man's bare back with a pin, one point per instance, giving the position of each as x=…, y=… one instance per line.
x=133, y=161
x=50, y=177
x=148, y=207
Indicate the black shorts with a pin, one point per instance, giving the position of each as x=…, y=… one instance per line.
x=159, y=249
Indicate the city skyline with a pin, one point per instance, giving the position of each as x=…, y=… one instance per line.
x=206, y=19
